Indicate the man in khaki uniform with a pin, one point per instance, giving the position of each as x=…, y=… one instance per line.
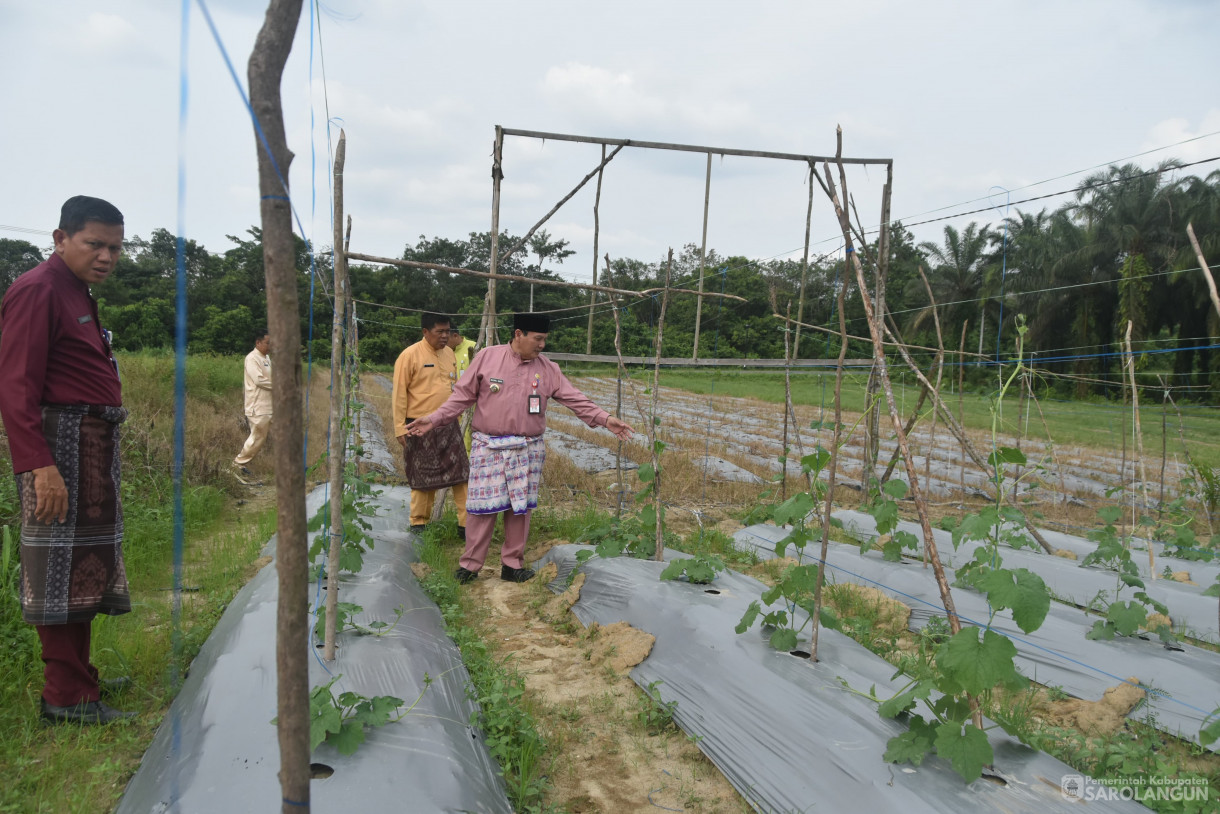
x=424, y=376
x=258, y=402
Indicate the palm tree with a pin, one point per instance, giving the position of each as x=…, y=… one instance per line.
x=961, y=277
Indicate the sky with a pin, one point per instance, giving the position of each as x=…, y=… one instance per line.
x=978, y=104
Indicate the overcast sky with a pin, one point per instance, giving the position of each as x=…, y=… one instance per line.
x=967, y=98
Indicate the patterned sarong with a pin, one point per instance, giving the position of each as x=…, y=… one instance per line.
x=505, y=471
x=437, y=459
x=74, y=570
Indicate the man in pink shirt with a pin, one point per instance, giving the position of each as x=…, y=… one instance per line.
x=509, y=386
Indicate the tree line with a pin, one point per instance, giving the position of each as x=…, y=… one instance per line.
x=1115, y=252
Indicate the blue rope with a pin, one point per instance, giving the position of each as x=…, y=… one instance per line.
x=179, y=383
x=986, y=626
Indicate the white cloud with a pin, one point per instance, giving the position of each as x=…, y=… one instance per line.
x=600, y=94
x=1202, y=140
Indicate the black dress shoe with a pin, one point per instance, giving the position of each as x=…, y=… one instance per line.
x=86, y=712
x=516, y=574
x=418, y=529
x=463, y=576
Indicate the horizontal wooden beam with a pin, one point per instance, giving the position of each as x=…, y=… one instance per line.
x=691, y=148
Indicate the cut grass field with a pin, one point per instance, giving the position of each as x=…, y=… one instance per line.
x=84, y=769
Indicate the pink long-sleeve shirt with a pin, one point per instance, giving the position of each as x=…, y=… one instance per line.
x=506, y=410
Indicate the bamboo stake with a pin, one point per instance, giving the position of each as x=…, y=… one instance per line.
x=618, y=400
x=652, y=423
x=800, y=307
x=707, y=196
x=497, y=178
x=831, y=474
x=783, y=467
x=1138, y=450
x=264, y=72
x=961, y=407
x=1207, y=515
x=875, y=326
x=940, y=367
x=1206, y=269
x=596, y=233
x=337, y=430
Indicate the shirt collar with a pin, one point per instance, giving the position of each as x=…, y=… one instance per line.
x=57, y=265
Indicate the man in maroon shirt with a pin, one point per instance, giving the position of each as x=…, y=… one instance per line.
x=61, y=403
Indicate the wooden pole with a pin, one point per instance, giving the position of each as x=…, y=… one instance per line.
x=618, y=401
x=1206, y=269
x=800, y=306
x=264, y=72
x=707, y=196
x=832, y=472
x=596, y=233
x=337, y=431
x=961, y=407
x=783, y=466
x=1138, y=450
x=497, y=176
x=658, y=509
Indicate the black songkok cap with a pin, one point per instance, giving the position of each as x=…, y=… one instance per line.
x=532, y=323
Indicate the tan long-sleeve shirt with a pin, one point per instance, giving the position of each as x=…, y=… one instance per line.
x=258, y=383
x=423, y=379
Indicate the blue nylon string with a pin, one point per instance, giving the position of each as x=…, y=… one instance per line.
x=985, y=626
x=179, y=381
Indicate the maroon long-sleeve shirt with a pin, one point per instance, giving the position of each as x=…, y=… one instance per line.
x=52, y=351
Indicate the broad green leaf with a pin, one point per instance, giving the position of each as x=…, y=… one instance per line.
x=348, y=738
x=747, y=618
x=1210, y=733
x=815, y=461
x=1006, y=455
x=1102, y=631
x=1213, y=590
x=952, y=708
x=904, y=701
x=674, y=569
x=646, y=473
x=896, y=489
x=658, y=446
x=772, y=594
x=794, y=509
x=784, y=639
x=886, y=515
x=911, y=746
x=976, y=666
x=1020, y=590
x=1127, y=617
x=1109, y=514
x=966, y=748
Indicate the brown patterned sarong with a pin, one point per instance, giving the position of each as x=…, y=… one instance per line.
x=72, y=571
x=437, y=459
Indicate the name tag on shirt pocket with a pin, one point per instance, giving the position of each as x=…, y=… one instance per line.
x=429, y=365
x=87, y=318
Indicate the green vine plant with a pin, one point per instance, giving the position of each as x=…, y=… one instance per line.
x=341, y=720
x=1175, y=526
x=634, y=535
x=345, y=613
x=968, y=667
x=699, y=570
x=1122, y=617
x=358, y=493
x=792, y=596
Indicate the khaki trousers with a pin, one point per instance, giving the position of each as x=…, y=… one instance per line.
x=259, y=425
x=422, y=500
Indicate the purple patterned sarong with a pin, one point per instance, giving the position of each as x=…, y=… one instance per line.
x=505, y=471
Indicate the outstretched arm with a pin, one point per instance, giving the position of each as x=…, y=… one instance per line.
x=620, y=428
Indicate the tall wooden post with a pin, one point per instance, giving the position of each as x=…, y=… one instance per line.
x=596, y=232
x=800, y=306
x=658, y=509
x=264, y=72
x=707, y=194
x=338, y=432
x=497, y=176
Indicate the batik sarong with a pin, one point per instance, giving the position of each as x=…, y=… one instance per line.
x=437, y=459
x=73, y=570
x=505, y=471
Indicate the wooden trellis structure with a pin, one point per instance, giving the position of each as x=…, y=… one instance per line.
x=497, y=175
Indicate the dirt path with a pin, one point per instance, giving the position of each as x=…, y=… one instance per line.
x=617, y=750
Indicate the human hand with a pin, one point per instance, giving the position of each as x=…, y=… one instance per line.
x=620, y=428
x=50, y=494
x=420, y=426
x=402, y=439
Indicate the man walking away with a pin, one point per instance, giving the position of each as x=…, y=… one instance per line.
x=424, y=376
x=61, y=401
x=257, y=389
x=509, y=386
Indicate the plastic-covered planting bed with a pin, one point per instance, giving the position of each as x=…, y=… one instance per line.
x=783, y=729
x=217, y=750
x=1185, y=679
x=1081, y=585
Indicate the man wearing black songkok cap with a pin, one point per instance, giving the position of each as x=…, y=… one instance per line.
x=509, y=386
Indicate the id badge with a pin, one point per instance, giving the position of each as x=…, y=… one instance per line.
x=535, y=404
